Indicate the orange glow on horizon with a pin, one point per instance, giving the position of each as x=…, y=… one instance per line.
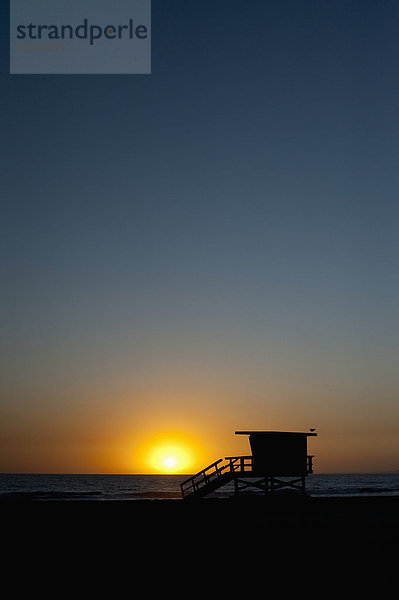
x=171, y=452
x=170, y=457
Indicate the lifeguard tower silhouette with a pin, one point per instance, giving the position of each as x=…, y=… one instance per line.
x=279, y=459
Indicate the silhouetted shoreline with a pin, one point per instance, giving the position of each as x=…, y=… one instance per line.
x=369, y=517
x=286, y=535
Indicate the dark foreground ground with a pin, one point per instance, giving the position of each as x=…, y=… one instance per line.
x=213, y=548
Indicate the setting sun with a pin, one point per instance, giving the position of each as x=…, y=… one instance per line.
x=170, y=456
x=170, y=462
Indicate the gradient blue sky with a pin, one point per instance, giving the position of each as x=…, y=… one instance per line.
x=208, y=248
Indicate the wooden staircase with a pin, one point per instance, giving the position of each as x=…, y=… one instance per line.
x=214, y=476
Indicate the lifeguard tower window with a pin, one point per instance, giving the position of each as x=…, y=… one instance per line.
x=277, y=453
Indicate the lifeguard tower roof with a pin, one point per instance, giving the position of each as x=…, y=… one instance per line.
x=275, y=433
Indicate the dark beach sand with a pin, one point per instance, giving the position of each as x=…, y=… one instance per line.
x=222, y=543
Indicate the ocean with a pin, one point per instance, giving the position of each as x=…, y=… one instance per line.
x=158, y=487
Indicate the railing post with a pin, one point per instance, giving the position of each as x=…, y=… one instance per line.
x=310, y=464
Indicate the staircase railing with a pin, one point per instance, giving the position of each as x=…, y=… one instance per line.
x=239, y=463
x=203, y=477
x=214, y=472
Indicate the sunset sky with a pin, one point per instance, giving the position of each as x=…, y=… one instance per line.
x=208, y=248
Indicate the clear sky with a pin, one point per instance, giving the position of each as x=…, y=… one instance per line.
x=207, y=248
